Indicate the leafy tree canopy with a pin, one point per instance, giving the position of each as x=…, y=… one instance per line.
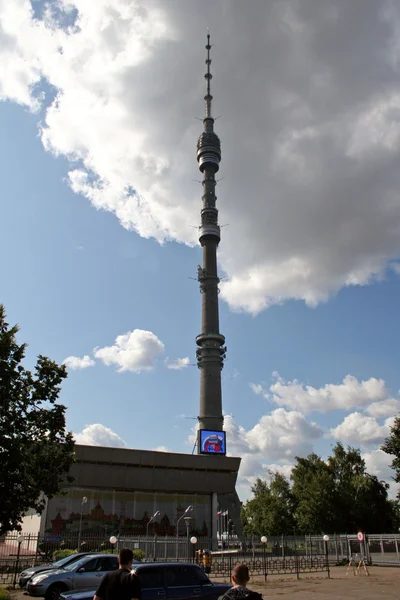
x=392, y=447
x=36, y=451
x=333, y=496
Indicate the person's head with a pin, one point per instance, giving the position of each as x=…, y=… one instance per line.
x=240, y=575
x=125, y=558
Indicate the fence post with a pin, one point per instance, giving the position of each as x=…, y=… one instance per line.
x=326, y=540
x=336, y=549
x=20, y=539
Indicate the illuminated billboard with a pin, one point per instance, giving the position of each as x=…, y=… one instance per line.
x=212, y=442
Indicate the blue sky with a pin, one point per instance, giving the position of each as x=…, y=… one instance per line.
x=314, y=304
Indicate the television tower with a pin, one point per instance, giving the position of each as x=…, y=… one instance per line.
x=211, y=344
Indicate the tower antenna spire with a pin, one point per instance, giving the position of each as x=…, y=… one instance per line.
x=211, y=348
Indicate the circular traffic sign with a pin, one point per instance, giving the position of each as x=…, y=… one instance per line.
x=360, y=536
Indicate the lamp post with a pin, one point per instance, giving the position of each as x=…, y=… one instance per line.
x=193, y=541
x=113, y=541
x=189, y=509
x=156, y=514
x=264, y=540
x=20, y=539
x=326, y=540
x=187, y=523
x=84, y=500
x=250, y=519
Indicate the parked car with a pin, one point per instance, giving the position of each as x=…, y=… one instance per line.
x=26, y=575
x=171, y=581
x=85, y=573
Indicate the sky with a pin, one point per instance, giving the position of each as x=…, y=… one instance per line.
x=99, y=113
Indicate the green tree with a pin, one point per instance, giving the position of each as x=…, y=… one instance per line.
x=361, y=499
x=36, y=451
x=270, y=512
x=392, y=447
x=314, y=493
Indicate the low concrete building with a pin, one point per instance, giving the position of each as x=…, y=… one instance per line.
x=123, y=488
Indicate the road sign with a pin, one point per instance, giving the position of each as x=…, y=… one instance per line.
x=360, y=536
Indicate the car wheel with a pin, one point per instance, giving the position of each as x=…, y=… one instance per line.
x=54, y=591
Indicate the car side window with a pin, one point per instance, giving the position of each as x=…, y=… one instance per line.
x=183, y=576
x=90, y=565
x=151, y=578
x=107, y=563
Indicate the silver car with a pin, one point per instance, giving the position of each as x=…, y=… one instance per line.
x=83, y=574
x=26, y=575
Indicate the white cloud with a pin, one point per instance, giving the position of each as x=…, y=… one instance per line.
x=378, y=463
x=99, y=435
x=360, y=429
x=272, y=444
x=283, y=434
x=347, y=395
x=319, y=141
x=386, y=408
x=76, y=363
x=179, y=363
x=257, y=389
x=161, y=449
x=134, y=351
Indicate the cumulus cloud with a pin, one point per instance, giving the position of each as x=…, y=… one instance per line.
x=99, y=435
x=134, y=351
x=179, y=363
x=313, y=148
x=271, y=445
x=347, y=395
x=161, y=449
x=360, y=429
x=386, y=408
x=378, y=463
x=75, y=363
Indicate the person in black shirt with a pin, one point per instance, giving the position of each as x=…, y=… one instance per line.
x=120, y=584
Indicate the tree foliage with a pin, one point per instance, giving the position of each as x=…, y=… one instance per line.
x=36, y=451
x=271, y=509
x=392, y=447
x=333, y=496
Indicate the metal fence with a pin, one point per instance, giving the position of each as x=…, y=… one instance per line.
x=280, y=554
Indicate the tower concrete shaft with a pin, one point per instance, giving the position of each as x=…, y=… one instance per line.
x=211, y=344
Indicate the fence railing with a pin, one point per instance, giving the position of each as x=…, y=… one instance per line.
x=283, y=554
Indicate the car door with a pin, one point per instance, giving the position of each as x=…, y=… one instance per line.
x=183, y=581
x=86, y=575
x=152, y=582
x=105, y=564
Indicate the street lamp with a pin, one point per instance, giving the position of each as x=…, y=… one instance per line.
x=193, y=541
x=187, y=523
x=156, y=514
x=264, y=540
x=84, y=500
x=113, y=541
x=189, y=509
x=326, y=540
x=250, y=519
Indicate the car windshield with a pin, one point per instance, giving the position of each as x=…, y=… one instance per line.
x=77, y=564
x=63, y=561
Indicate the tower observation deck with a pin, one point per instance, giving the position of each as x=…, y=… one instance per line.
x=211, y=348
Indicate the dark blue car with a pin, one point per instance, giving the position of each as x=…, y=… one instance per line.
x=180, y=581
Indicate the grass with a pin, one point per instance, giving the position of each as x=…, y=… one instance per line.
x=4, y=594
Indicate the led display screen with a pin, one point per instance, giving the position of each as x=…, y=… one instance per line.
x=212, y=442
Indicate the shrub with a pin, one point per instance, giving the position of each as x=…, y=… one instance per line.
x=138, y=554
x=4, y=595
x=58, y=554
